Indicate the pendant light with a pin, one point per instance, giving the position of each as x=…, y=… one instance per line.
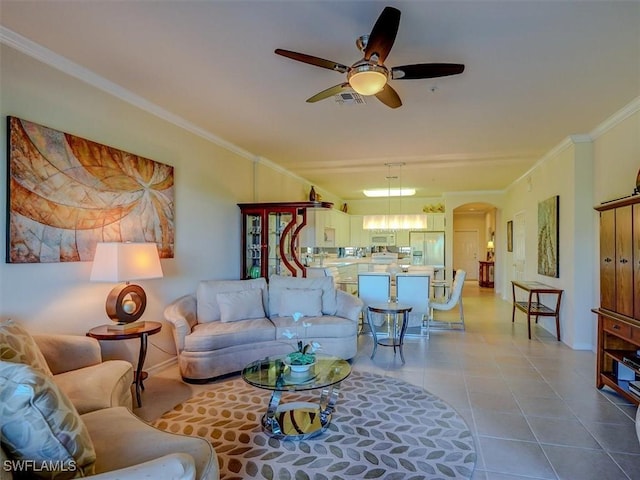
x=396, y=221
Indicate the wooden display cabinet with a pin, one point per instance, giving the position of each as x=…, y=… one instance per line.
x=270, y=234
x=619, y=311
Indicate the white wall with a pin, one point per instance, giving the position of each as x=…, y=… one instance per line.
x=209, y=182
x=584, y=170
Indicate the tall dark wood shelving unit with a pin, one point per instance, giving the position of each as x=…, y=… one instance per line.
x=619, y=311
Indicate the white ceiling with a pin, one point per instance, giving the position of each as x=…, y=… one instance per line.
x=536, y=72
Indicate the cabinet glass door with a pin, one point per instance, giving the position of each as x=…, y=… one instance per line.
x=254, y=245
x=280, y=232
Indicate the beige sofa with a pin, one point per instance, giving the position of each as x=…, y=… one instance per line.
x=64, y=413
x=229, y=323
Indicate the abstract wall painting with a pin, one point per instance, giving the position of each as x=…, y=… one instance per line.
x=548, y=237
x=67, y=193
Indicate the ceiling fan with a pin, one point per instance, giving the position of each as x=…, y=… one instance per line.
x=369, y=76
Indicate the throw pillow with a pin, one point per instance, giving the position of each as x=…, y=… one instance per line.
x=278, y=283
x=207, y=306
x=18, y=346
x=40, y=424
x=307, y=301
x=241, y=305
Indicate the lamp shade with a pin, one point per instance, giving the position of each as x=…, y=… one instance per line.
x=122, y=262
x=490, y=244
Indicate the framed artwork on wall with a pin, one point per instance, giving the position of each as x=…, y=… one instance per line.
x=548, y=237
x=65, y=194
x=510, y=236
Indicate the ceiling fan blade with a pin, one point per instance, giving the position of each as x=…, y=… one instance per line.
x=426, y=70
x=389, y=97
x=383, y=34
x=318, y=62
x=329, y=92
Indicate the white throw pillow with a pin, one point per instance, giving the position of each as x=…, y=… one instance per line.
x=241, y=305
x=307, y=301
x=207, y=306
x=278, y=284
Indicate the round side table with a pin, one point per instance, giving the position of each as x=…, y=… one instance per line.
x=142, y=332
x=396, y=338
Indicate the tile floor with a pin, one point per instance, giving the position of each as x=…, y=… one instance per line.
x=531, y=404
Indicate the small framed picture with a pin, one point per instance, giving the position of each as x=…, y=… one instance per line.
x=510, y=236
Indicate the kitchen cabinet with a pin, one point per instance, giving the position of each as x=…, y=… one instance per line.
x=402, y=238
x=619, y=311
x=270, y=237
x=358, y=236
x=435, y=222
x=326, y=228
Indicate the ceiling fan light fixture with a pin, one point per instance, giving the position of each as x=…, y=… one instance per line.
x=367, y=79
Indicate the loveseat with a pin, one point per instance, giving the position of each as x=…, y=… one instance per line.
x=65, y=414
x=228, y=323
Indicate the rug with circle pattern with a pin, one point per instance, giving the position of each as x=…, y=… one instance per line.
x=382, y=428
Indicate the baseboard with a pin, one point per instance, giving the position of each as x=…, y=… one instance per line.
x=158, y=367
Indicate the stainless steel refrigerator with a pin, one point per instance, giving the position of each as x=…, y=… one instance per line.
x=427, y=248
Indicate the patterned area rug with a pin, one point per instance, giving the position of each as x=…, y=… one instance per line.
x=381, y=428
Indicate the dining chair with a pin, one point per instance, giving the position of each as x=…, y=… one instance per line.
x=449, y=302
x=373, y=288
x=435, y=284
x=414, y=289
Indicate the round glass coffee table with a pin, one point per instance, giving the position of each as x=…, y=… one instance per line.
x=297, y=420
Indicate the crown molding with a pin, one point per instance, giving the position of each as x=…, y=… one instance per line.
x=34, y=50
x=38, y=52
x=618, y=117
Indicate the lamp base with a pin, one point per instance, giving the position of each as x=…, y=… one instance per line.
x=126, y=303
x=125, y=327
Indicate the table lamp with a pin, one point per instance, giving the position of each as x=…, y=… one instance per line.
x=123, y=262
x=490, y=248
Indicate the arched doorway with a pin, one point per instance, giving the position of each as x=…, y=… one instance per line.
x=474, y=226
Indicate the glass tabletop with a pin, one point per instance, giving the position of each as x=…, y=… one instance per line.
x=271, y=373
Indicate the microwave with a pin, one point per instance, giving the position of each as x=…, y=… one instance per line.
x=383, y=239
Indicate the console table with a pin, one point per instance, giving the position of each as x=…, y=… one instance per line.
x=485, y=277
x=532, y=306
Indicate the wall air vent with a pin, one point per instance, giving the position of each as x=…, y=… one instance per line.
x=349, y=98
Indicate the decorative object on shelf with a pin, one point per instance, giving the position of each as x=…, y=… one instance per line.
x=510, y=236
x=254, y=272
x=313, y=196
x=305, y=353
x=123, y=262
x=636, y=191
x=344, y=208
x=434, y=208
x=65, y=192
x=548, y=237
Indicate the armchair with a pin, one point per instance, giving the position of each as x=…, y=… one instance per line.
x=63, y=409
x=78, y=370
